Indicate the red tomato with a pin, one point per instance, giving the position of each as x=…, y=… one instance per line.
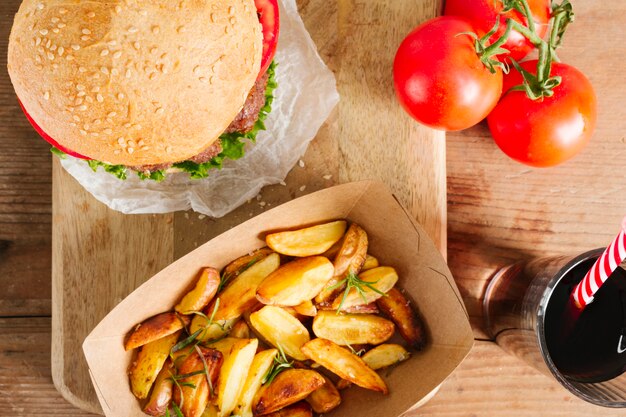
x=482, y=14
x=439, y=79
x=269, y=18
x=550, y=130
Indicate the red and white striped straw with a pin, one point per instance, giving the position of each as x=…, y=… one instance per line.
x=601, y=270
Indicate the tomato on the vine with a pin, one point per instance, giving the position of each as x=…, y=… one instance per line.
x=550, y=130
x=483, y=13
x=439, y=78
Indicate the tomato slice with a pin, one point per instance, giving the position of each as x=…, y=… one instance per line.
x=47, y=138
x=267, y=11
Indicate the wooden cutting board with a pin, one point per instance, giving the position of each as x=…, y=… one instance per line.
x=100, y=256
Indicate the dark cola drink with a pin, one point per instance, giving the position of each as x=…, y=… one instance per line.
x=593, y=347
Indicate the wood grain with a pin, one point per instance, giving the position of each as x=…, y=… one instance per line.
x=26, y=388
x=119, y=252
x=500, y=211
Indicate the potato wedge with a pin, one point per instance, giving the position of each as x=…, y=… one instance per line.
x=280, y=328
x=214, y=330
x=202, y=294
x=210, y=411
x=306, y=308
x=295, y=282
x=351, y=329
x=240, y=294
x=148, y=363
x=154, y=328
x=300, y=409
x=385, y=355
x=193, y=395
x=370, y=262
x=240, y=330
x=344, y=363
x=399, y=310
x=239, y=265
x=260, y=366
x=382, y=278
x=161, y=395
x=325, y=398
x=287, y=388
x=370, y=308
x=309, y=241
x=349, y=259
x=234, y=373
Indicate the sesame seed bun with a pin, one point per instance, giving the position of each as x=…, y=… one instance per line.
x=135, y=83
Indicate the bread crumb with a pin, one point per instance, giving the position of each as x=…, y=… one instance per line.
x=303, y=188
x=327, y=177
x=301, y=163
x=201, y=216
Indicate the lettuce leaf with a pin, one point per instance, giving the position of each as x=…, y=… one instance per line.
x=233, y=145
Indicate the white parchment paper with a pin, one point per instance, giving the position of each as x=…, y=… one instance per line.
x=304, y=98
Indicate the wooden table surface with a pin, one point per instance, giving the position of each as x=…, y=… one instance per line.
x=498, y=212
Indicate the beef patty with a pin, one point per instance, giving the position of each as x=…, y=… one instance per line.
x=243, y=123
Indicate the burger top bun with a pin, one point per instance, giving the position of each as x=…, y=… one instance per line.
x=135, y=82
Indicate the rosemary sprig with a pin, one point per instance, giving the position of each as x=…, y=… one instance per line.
x=280, y=364
x=226, y=278
x=180, y=390
x=352, y=280
x=206, y=370
x=177, y=410
x=354, y=352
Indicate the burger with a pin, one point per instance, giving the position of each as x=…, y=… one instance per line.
x=146, y=86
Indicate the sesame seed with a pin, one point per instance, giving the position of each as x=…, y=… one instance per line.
x=91, y=14
x=127, y=125
x=117, y=54
x=115, y=71
x=50, y=56
x=86, y=31
x=46, y=95
x=62, y=11
x=97, y=122
x=53, y=47
x=86, y=127
x=37, y=41
x=95, y=89
x=95, y=134
x=143, y=12
x=72, y=124
x=82, y=132
x=104, y=52
x=112, y=114
x=159, y=110
x=128, y=73
x=38, y=58
x=152, y=76
x=78, y=101
x=232, y=20
x=55, y=30
x=145, y=148
x=120, y=141
x=130, y=150
x=55, y=66
x=153, y=51
x=55, y=20
x=116, y=152
x=180, y=29
x=82, y=69
x=112, y=42
x=70, y=57
x=75, y=117
x=44, y=32
x=99, y=98
x=212, y=17
x=107, y=131
x=121, y=96
x=132, y=143
x=156, y=29
x=211, y=80
x=61, y=25
x=89, y=99
x=75, y=47
x=85, y=38
x=81, y=94
x=226, y=29
x=82, y=107
x=133, y=29
x=104, y=70
x=141, y=142
x=168, y=149
x=136, y=45
x=118, y=9
x=61, y=51
x=40, y=6
x=80, y=87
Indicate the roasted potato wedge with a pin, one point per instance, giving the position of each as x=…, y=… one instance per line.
x=287, y=388
x=240, y=330
x=309, y=241
x=210, y=411
x=148, y=363
x=234, y=373
x=300, y=409
x=385, y=355
x=344, y=363
x=370, y=308
x=240, y=294
x=399, y=310
x=260, y=366
x=382, y=278
x=202, y=294
x=370, y=262
x=161, y=394
x=306, y=308
x=193, y=395
x=212, y=331
x=154, y=328
x=295, y=282
x=280, y=328
x=236, y=267
x=349, y=259
x=324, y=399
x=351, y=329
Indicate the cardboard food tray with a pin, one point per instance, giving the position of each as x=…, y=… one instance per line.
x=394, y=238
